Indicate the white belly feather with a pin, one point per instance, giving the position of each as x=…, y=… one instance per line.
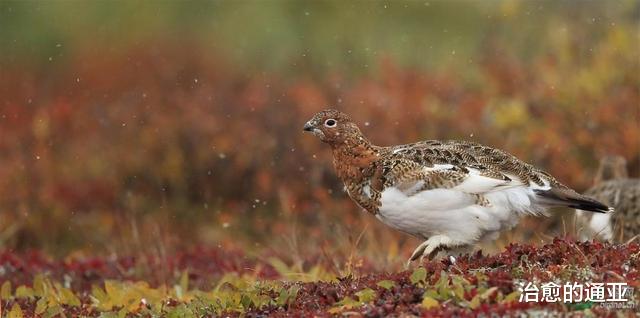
x=455, y=213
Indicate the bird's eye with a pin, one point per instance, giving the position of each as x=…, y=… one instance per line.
x=330, y=123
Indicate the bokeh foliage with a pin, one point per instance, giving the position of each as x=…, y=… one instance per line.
x=129, y=126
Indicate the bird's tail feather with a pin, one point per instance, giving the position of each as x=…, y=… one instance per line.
x=569, y=198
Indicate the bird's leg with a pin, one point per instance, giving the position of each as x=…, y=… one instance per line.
x=417, y=252
x=435, y=244
x=432, y=254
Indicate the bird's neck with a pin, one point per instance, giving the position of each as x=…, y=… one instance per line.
x=353, y=156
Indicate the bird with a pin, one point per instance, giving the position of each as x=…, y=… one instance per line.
x=613, y=186
x=449, y=194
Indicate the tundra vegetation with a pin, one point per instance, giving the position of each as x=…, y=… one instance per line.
x=152, y=161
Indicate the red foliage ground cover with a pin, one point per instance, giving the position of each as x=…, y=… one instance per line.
x=564, y=260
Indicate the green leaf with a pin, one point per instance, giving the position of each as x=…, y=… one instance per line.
x=5, y=290
x=246, y=302
x=346, y=303
x=283, y=295
x=433, y=293
x=511, y=297
x=286, y=296
x=386, y=284
x=488, y=293
x=16, y=312
x=41, y=306
x=108, y=314
x=100, y=298
x=67, y=297
x=39, y=286
x=366, y=295
x=475, y=302
x=54, y=311
x=24, y=292
x=477, y=299
x=123, y=313
x=184, y=281
x=443, y=286
x=580, y=306
x=457, y=289
x=418, y=275
x=293, y=293
x=428, y=302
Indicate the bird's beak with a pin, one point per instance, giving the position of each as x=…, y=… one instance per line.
x=308, y=127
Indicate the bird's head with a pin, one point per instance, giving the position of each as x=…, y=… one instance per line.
x=611, y=167
x=332, y=127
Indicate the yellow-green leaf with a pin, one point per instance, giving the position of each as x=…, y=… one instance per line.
x=100, y=298
x=366, y=295
x=488, y=293
x=68, y=297
x=346, y=303
x=246, y=301
x=39, y=286
x=386, y=284
x=457, y=289
x=443, y=286
x=511, y=297
x=24, y=292
x=283, y=295
x=184, y=281
x=5, y=290
x=475, y=302
x=41, y=306
x=418, y=275
x=286, y=296
x=428, y=302
x=293, y=293
x=16, y=312
x=55, y=311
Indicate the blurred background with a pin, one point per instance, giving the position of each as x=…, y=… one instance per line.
x=132, y=127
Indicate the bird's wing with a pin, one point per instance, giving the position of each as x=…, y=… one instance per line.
x=457, y=166
x=411, y=177
x=481, y=169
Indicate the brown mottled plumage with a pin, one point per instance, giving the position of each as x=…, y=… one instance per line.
x=450, y=193
x=615, y=188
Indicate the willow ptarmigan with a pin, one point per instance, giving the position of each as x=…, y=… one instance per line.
x=451, y=194
x=613, y=186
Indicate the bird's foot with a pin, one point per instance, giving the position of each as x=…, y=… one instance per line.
x=417, y=253
x=429, y=248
